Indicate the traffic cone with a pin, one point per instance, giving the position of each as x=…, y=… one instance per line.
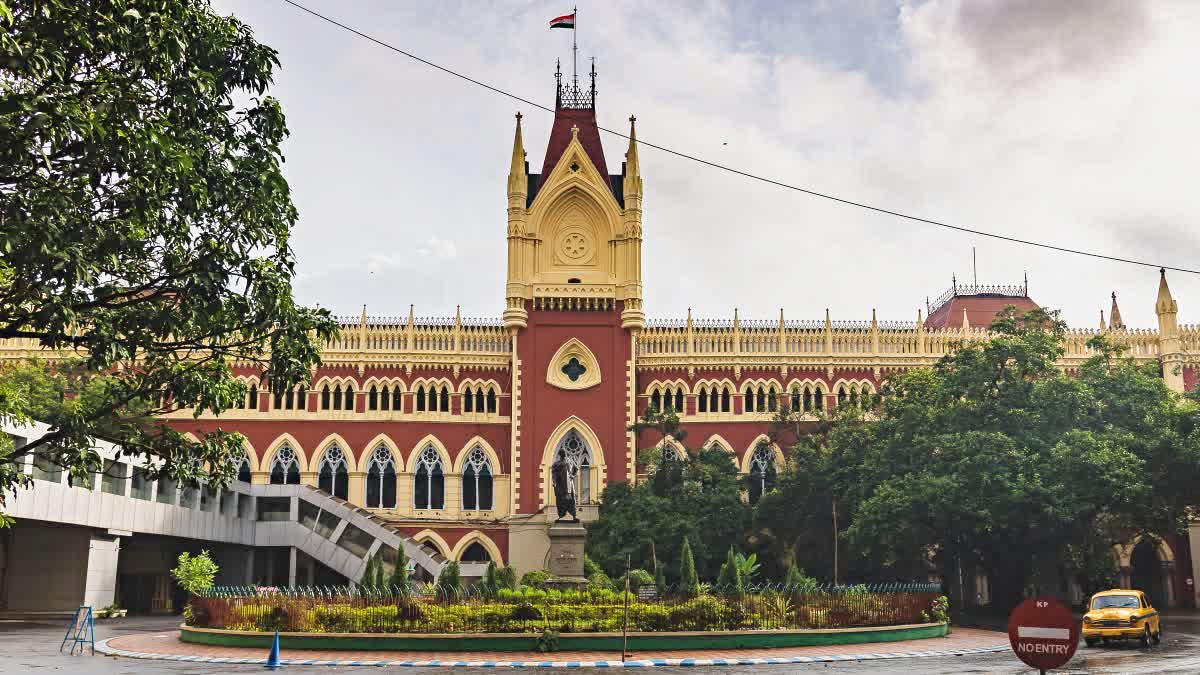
x=273, y=658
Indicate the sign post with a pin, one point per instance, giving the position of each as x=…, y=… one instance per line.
x=1043, y=633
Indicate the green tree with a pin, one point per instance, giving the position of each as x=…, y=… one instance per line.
x=146, y=227
x=490, y=583
x=399, y=578
x=997, y=459
x=689, y=583
x=698, y=499
x=508, y=577
x=728, y=579
x=449, y=581
x=195, y=574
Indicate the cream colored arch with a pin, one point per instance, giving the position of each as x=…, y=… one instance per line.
x=484, y=540
x=379, y=382
x=429, y=440
x=386, y=441
x=579, y=198
x=720, y=384
x=334, y=381
x=573, y=348
x=769, y=383
x=599, y=470
x=662, y=385
x=461, y=460
x=720, y=442
x=251, y=454
x=797, y=383
x=285, y=439
x=1124, y=552
x=858, y=383
x=434, y=538
x=672, y=442
x=485, y=384
x=749, y=453
x=326, y=443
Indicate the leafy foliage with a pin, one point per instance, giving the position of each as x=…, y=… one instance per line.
x=995, y=459
x=194, y=574
x=449, y=581
x=146, y=227
x=698, y=499
x=688, y=580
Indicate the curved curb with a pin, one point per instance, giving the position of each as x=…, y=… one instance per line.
x=103, y=648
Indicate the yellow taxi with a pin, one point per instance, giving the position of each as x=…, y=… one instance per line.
x=1121, y=615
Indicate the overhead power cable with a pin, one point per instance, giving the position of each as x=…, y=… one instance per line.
x=739, y=172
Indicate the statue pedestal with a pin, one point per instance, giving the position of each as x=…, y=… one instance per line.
x=565, y=561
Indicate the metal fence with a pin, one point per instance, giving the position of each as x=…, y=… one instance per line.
x=424, y=610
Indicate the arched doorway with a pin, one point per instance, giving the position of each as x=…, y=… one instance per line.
x=1146, y=572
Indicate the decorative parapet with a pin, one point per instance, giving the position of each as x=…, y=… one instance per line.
x=880, y=345
x=438, y=341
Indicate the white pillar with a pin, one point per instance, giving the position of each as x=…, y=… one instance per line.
x=101, y=586
x=291, y=566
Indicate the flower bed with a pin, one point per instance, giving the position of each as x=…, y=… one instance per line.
x=346, y=610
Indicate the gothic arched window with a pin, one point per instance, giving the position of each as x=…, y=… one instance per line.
x=725, y=400
x=396, y=404
x=656, y=401
x=373, y=399
x=477, y=481
x=333, y=476
x=491, y=401
x=325, y=397
x=468, y=400
x=243, y=469
x=762, y=472
x=445, y=400
x=577, y=452
x=475, y=552
x=381, y=480
x=429, y=483
x=420, y=396
x=679, y=400
x=285, y=468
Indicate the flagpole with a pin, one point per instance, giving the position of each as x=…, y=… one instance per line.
x=575, y=47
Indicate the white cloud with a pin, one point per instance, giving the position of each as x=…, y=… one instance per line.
x=1069, y=123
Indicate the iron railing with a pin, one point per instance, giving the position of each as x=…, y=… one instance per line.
x=424, y=610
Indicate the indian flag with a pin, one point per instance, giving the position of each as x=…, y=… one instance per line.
x=564, y=21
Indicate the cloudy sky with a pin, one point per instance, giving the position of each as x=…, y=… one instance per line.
x=1073, y=123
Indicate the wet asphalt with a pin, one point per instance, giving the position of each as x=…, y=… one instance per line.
x=33, y=648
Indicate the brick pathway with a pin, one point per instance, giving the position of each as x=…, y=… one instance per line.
x=168, y=646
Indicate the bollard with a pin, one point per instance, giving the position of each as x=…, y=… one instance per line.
x=273, y=658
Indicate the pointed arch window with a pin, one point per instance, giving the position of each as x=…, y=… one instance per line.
x=475, y=552
x=491, y=401
x=285, y=468
x=373, y=398
x=333, y=476
x=429, y=483
x=481, y=400
x=763, y=472
x=445, y=400
x=396, y=404
x=477, y=481
x=381, y=480
x=243, y=469
x=469, y=400
x=656, y=401
x=702, y=400
x=726, y=401
x=579, y=454
x=325, y=397
x=420, y=396
x=679, y=400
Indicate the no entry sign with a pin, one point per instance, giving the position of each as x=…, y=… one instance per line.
x=1043, y=633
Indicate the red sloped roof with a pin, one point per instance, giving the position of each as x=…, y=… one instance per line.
x=981, y=309
x=589, y=138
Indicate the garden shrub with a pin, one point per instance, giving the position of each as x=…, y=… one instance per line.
x=535, y=579
x=701, y=613
x=526, y=611
x=275, y=618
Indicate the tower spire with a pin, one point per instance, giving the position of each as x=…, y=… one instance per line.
x=518, y=181
x=1114, y=315
x=633, y=169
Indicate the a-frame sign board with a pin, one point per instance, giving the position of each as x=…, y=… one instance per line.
x=81, y=632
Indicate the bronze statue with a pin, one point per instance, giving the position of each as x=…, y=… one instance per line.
x=562, y=475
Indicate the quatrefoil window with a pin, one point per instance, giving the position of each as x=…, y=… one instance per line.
x=573, y=369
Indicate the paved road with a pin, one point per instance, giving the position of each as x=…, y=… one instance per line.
x=33, y=648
